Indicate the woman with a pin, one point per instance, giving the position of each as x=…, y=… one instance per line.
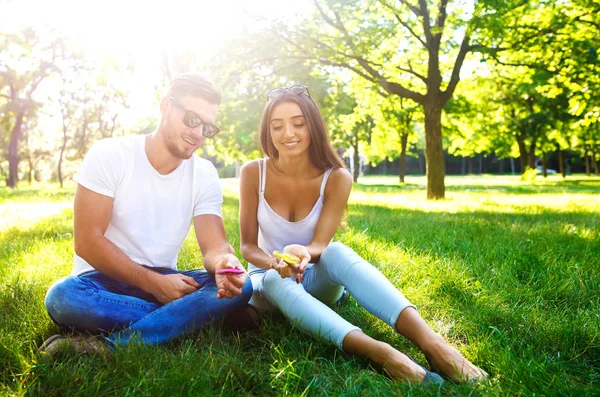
x=293, y=201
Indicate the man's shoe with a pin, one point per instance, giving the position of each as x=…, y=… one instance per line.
x=81, y=344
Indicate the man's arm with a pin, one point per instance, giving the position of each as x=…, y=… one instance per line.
x=218, y=254
x=92, y=214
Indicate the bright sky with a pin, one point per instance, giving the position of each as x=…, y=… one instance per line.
x=143, y=29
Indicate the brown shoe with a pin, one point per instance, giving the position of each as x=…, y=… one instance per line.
x=244, y=319
x=80, y=343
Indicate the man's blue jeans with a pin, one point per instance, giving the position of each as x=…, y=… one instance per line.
x=95, y=303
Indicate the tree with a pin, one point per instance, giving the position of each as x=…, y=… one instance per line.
x=561, y=55
x=384, y=122
x=27, y=60
x=401, y=48
x=395, y=119
x=244, y=86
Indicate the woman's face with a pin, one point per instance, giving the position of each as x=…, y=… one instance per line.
x=289, y=130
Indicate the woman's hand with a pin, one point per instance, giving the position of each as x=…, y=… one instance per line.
x=301, y=252
x=281, y=267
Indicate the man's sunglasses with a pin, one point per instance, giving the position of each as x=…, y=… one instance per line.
x=295, y=89
x=192, y=120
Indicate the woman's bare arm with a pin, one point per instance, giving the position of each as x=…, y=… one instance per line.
x=337, y=192
x=249, y=190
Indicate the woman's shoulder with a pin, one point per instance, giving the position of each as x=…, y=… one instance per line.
x=339, y=178
x=250, y=170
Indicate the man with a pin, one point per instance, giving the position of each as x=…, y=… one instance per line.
x=136, y=197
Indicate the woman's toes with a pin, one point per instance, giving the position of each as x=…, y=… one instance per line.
x=450, y=362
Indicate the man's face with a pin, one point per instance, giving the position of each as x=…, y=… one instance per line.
x=181, y=140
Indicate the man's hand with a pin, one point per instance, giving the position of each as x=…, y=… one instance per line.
x=230, y=285
x=301, y=252
x=167, y=288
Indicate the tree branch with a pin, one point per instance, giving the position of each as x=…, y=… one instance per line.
x=395, y=88
x=455, y=77
x=325, y=16
x=426, y=22
x=406, y=26
x=340, y=27
x=413, y=72
x=440, y=21
x=413, y=8
x=579, y=18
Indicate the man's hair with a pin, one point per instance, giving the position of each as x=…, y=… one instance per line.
x=322, y=154
x=195, y=85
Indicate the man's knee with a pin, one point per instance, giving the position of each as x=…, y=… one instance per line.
x=60, y=297
x=247, y=291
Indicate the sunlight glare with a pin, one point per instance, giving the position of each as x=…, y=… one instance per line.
x=142, y=31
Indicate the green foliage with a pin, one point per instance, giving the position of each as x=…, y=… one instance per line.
x=529, y=175
x=529, y=76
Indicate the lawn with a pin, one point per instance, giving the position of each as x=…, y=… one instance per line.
x=507, y=271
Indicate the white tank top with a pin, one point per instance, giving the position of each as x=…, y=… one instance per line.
x=275, y=232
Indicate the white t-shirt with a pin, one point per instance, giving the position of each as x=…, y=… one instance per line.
x=152, y=213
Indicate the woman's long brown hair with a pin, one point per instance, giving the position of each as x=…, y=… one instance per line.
x=321, y=152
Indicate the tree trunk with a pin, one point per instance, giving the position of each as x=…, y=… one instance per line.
x=544, y=165
x=481, y=164
x=63, y=147
x=13, y=152
x=586, y=159
x=403, y=141
x=561, y=163
x=436, y=167
x=523, y=154
x=531, y=157
x=30, y=170
x=356, y=157
x=594, y=163
x=463, y=168
x=60, y=159
x=470, y=166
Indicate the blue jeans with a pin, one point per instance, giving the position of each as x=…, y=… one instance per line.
x=95, y=303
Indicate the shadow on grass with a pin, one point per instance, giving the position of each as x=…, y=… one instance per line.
x=532, y=279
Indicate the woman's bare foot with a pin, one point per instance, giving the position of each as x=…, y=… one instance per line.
x=446, y=360
x=398, y=366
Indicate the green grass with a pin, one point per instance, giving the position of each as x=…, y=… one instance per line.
x=508, y=272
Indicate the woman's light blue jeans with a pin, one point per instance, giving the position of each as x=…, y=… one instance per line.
x=305, y=304
x=95, y=303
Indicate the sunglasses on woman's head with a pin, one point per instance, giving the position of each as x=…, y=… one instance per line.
x=193, y=120
x=295, y=89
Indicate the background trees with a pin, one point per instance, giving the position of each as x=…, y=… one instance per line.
x=513, y=79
